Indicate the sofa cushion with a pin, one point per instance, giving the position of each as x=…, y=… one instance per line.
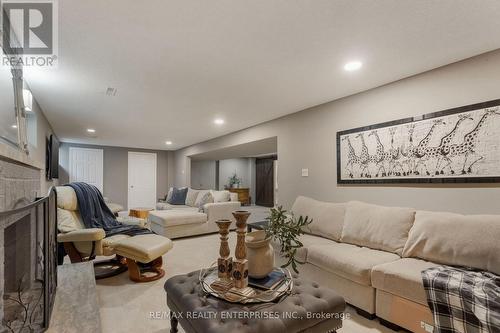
x=173, y=217
x=454, y=239
x=221, y=196
x=402, y=278
x=169, y=194
x=205, y=199
x=377, y=227
x=112, y=240
x=308, y=241
x=327, y=218
x=200, y=197
x=66, y=198
x=348, y=261
x=178, y=196
x=68, y=220
x=167, y=206
x=163, y=205
x=191, y=197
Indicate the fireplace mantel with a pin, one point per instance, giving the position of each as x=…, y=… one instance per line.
x=14, y=155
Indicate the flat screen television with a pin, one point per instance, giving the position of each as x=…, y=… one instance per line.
x=52, y=163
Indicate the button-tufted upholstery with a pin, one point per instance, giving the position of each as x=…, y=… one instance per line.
x=184, y=294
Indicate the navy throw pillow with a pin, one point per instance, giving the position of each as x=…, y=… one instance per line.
x=178, y=196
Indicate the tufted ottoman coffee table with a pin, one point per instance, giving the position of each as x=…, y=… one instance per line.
x=309, y=308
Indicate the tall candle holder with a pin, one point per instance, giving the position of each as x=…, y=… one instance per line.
x=225, y=262
x=240, y=264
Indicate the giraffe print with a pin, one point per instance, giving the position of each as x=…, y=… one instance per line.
x=466, y=148
x=364, y=157
x=444, y=146
x=394, y=156
x=422, y=147
x=352, y=158
x=379, y=157
x=436, y=153
x=427, y=148
x=409, y=152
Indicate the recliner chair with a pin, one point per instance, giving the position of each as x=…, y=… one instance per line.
x=83, y=244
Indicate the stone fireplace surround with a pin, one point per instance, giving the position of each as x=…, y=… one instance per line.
x=20, y=186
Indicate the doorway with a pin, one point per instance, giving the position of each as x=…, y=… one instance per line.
x=141, y=180
x=86, y=165
x=264, y=181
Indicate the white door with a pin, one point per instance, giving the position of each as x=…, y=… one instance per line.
x=86, y=165
x=141, y=180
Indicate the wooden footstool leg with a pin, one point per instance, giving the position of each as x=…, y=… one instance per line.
x=136, y=272
x=173, y=323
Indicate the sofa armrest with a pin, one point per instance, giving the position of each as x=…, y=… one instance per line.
x=233, y=197
x=221, y=210
x=82, y=235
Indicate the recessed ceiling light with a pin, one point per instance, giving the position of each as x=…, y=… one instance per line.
x=168, y=143
x=90, y=130
x=219, y=121
x=14, y=126
x=353, y=66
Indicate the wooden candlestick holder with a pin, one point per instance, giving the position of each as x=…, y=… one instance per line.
x=240, y=264
x=225, y=262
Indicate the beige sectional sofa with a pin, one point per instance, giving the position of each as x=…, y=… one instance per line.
x=176, y=221
x=374, y=255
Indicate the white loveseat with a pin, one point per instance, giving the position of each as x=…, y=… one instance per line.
x=176, y=221
x=374, y=255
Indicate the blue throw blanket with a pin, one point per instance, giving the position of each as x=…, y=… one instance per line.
x=96, y=214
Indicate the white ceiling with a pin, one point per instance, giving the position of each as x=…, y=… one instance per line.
x=178, y=64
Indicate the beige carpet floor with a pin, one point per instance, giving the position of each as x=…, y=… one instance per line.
x=127, y=307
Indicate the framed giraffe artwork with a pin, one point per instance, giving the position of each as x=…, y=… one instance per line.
x=459, y=145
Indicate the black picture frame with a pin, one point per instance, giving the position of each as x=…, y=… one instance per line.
x=430, y=180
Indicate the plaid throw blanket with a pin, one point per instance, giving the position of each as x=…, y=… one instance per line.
x=463, y=301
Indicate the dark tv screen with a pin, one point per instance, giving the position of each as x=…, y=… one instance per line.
x=52, y=158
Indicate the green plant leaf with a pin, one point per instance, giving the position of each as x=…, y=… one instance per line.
x=286, y=230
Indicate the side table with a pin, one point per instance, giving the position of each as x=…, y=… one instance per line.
x=140, y=212
x=261, y=225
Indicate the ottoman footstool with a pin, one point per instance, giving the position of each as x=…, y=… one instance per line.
x=309, y=308
x=164, y=221
x=144, y=256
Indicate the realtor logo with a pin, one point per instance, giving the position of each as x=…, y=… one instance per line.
x=29, y=35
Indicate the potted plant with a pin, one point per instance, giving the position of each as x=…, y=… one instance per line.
x=286, y=229
x=234, y=181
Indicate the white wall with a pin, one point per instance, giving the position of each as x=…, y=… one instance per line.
x=203, y=175
x=228, y=167
x=116, y=170
x=307, y=139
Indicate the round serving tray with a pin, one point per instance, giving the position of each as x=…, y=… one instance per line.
x=209, y=276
